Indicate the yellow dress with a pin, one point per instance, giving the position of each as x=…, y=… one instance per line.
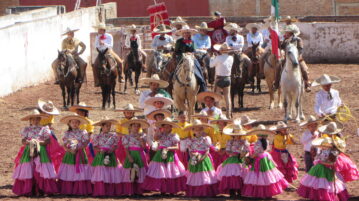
x=180, y=131
x=48, y=120
x=88, y=127
x=281, y=141
x=221, y=139
x=120, y=129
x=251, y=138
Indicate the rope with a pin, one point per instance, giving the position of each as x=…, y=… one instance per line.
x=343, y=115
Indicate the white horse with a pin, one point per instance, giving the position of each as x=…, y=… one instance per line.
x=292, y=86
x=185, y=87
x=271, y=65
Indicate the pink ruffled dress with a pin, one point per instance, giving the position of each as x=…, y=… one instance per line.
x=347, y=168
x=74, y=175
x=201, y=179
x=107, y=177
x=232, y=171
x=35, y=174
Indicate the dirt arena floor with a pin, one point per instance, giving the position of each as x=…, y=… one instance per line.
x=22, y=102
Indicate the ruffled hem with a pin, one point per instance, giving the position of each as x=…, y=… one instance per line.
x=23, y=171
x=231, y=170
x=101, y=189
x=263, y=178
x=201, y=178
x=75, y=187
x=210, y=190
x=289, y=170
x=23, y=187
x=110, y=175
x=48, y=186
x=171, y=186
x=129, y=189
x=267, y=191
x=169, y=170
x=230, y=183
x=323, y=183
x=126, y=175
x=347, y=168
x=68, y=172
x=322, y=194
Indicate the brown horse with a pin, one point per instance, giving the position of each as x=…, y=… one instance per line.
x=166, y=74
x=239, y=76
x=67, y=74
x=133, y=63
x=108, y=73
x=254, y=55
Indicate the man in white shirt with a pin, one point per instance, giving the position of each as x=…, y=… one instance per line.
x=162, y=41
x=254, y=36
x=202, y=42
x=234, y=40
x=209, y=99
x=104, y=41
x=223, y=64
x=134, y=37
x=308, y=136
x=327, y=100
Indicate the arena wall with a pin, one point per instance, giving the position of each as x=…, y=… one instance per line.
x=29, y=48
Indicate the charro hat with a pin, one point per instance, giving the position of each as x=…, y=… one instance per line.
x=311, y=119
x=222, y=47
x=280, y=125
x=47, y=107
x=221, y=118
x=331, y=128
x=68, y=118
x=69, y=30
x=184, y=29
x=34, y=114
x=101, y=26
x=166, y=113
x=133, y=27
x=202, y=114
x=159, y=97
x=162, y=29
x=201, y=96
x=260, y=130
x=105, y=120
x=249, y=26
x=204, y=26
x=234, y=129
x=289, y=18
x=80, y=106
x=167, y=121
x=291, y=28
x=325, y=79
x=144, y=124
x=156, y=79
x=178, y=20
x=129, y=108
x=197, y=123
x=323, y=142
x=232, y=26
x=246, y=120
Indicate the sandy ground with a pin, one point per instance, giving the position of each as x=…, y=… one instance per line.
x=22, y=102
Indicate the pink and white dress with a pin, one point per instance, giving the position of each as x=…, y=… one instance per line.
x=232, y=171
x=107, y=173
x=166, y=174
x=35, y=174
x=138, y=154
x=75, y=173
x=201, y=179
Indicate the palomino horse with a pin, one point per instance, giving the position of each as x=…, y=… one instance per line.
x=108, y=73
x=292, y=84
x=67, y=74
x=254, y=55
x=185, y=85
x=133, y=63
x=271, y=65
x=239, y=76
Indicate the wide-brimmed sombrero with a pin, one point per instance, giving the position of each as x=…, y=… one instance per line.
x=323, y=142
x=201, y=96
x=260, y=130
x=69, y=30
x=162, y=29
x=178, y=20
x=167, y=121
x=325, y=80
x=246, y=120
x=68, y=118
x=80, y=106
x=339, y=144
x=130, y=108
x=184, y=29
x=156, y=79
x=221, y=118
x=235, y=130
x=331, y=128
x=166, y=113
x=133, y=27
x=203, y=26
x=232, y=26
x=144, y=124
x=223, y=48
x=34, y=114
x=291, y=28
x=159, y=97
x=311, y=119
x=47, y=107
x=105, y=120
x=202, y=114
x=197, y=124
x=101, y=26
x=289, y=18
x=280, y=125
x=249, y=26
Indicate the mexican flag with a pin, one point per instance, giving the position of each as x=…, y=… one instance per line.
x=274, y=29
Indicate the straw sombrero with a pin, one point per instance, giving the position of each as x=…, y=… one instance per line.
x=80, y=106
x=222, y=118
x=202, y=114
x=201, y=96
x=339, y=144
x=105, y=120
x=156, y=79
x=129, y=108
x=291, y=28
x=186, y=28
x=151, y=116
x=178, y=20
x=249, y=26
x=69, y=30
x=66, y=119
x=162, y=29
x=233, y=26
x=101, y=26
x=159, y=97
x=311, y=119
x=197, y=123
x=167, y=121
x=331, y=128
x=260, y=130
x=280, y=125
x=325, y=80
x=144, y=124
x=235, y=130
x=34, y=114
x=222, y=48
x=133, y=27
x=204, y=26
x=323, y=142
x=289, y=18
x=47, y=107
x=246, y=120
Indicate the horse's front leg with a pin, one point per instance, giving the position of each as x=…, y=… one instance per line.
x=68, y=96
x=103, y=90
x=232, y=95
x=258, y=82
x=137, y=77
x=108, y=94
x=280, y=103
x=63, y=94
x=114, y=95
x=285, y=109
x=78, y=94
x=241, y=94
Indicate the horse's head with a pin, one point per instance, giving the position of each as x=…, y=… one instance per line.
x=292, y=54
x=188, y=65
x=102, y=58
x=134, y=45
x=158, y=60
x=255, y=52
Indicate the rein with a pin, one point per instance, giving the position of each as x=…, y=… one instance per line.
x=176, y=75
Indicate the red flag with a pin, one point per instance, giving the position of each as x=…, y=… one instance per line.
x=275, y=42
x=158, y=15
x=218, y=35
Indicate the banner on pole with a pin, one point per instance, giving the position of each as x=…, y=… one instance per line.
x=158, y=15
